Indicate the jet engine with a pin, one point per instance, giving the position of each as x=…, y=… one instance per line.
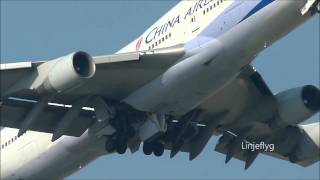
x=67, y=72
x=298, y=104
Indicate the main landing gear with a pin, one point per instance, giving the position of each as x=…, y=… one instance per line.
x=119, y=140
x=175, y=137
x=157, y=148
x=131, y=127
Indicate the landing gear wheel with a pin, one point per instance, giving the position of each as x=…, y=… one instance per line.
x=158, y=149
x=121, y=148
x=147, y=149
x=292, y=158
x=110, y=145
x=122, y=142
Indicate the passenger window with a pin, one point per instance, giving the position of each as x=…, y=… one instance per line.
x=169, y=34
x=5, y=144
x=204, y=12
x=156, y=43
x=207, y=9
x=162, y=39
x=210, y=7
x=166, y=36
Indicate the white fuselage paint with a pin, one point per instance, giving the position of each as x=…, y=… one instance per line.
x=34, y=156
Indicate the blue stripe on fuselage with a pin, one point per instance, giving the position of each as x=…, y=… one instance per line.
x=259, y=6
x=235, y=14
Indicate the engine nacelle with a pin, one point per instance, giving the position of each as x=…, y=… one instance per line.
x=307, y=149
x=298, y=104
x=68, y=72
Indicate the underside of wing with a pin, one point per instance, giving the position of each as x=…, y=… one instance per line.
x=296, y=144
x=50, y=96
x=246, y=114
x=235, y=100
x=14, y=111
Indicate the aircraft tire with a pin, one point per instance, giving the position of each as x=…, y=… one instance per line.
x=110, y=145
x=158, y=149
x=147, y=148
x=121, y=148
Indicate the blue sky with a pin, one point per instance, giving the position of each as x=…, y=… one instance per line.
x=34, y=30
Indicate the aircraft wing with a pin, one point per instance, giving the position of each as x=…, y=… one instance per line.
x=27, y=87
x=244, y=112
x=115, y=75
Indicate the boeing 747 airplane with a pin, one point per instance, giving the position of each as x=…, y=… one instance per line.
x=185, y=79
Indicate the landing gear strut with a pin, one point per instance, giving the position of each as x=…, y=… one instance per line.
x=124, y=131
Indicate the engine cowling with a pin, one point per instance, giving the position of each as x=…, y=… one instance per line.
x=68, y=72
x=298, y=104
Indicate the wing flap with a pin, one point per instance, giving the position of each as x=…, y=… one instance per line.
x=18, y=65
x=297, y=144
x=13, y=113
